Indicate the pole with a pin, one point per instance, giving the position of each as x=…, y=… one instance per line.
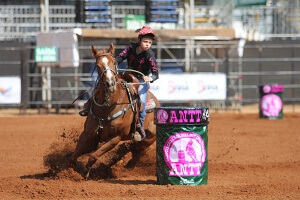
x=24, y=85
x=293, y=79
x=42, y=6
x=187, y=16
x=187, y=56
x=159, y=50
x=45, y=70
x=192, y=8
x=241, y=48
x=47, y=15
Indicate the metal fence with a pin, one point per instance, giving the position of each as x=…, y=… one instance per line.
x=262, y=63
x=271, y=63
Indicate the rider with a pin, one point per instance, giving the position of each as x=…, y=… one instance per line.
x=140, y=57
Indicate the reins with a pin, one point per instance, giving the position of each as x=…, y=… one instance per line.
x=107, y=94
x=106, y=103
x=132, y=70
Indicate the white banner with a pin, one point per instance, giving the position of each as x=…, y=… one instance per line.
x=185, y=87
x=10, y=90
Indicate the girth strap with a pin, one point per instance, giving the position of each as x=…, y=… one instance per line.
x=124, y=110
x=129, y=95
x=115, y=115
x=103, y=121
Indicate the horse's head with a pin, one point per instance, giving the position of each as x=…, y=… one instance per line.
x=106, y=66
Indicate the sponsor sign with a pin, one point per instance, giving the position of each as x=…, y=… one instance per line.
x=185, y=87
x=10, y=90
x=239, y=3
x=133, y=22
x=182, y=116
x=45, y=54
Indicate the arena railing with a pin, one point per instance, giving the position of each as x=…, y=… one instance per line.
x=262, y=64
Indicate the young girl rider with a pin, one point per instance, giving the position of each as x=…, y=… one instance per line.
x=140, y=57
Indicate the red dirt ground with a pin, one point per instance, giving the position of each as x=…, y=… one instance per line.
x=248, y=158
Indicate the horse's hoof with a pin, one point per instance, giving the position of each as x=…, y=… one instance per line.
x=87, y=175
x=137, y=137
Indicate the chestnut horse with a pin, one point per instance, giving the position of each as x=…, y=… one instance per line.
x=112, y=117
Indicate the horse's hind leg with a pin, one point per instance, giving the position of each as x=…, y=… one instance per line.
x=104, y=148
x=110, y=158
x=86, y=143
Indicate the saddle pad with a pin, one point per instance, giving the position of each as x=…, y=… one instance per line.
x=150, y=104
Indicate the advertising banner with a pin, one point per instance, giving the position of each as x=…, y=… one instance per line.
x=239, y=3
x=132, y=22
x=185, y=87
x=45, y=54
x=10, y=90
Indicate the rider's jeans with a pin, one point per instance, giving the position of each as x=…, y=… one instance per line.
x=142, y=90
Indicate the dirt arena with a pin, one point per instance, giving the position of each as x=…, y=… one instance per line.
x=248, y=158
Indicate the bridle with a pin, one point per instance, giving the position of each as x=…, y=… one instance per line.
x=106, y=68
x=106, y=102
x=100, y=77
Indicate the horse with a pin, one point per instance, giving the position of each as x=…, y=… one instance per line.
x=112, y=119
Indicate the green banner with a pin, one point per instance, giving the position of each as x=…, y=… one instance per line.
x=133, y=22
x=181, y=150
x=45, y=54
x=239, y=3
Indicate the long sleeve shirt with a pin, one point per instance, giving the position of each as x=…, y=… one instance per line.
x=144, y=62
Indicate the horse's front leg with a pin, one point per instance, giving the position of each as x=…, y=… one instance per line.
x=87, y=142
x=104, y=148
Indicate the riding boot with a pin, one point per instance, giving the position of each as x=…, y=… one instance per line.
x=86, y=108
x=141, y=130
x=84, y=112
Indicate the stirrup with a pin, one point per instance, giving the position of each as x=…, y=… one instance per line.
x=84, y=112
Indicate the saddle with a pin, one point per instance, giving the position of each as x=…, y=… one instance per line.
x=150, y=105
x=130, y=78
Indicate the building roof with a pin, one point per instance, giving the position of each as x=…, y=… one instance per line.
x=214, y=33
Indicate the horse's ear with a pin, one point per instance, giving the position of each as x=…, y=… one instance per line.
x=111, y=49
x=94, y=51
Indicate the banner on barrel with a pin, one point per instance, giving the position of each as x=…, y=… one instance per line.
x=181, y=144
x=271, y=105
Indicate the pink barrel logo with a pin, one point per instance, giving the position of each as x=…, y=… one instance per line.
x=184, y=154
x=271, y=105
x=162, y=116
